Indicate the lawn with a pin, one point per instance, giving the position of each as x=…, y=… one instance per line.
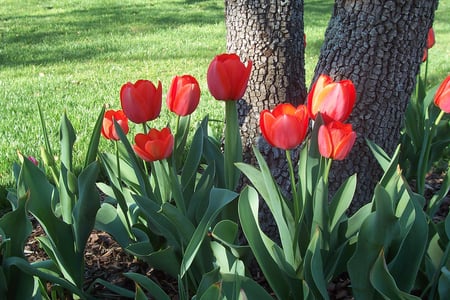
x=74, y=56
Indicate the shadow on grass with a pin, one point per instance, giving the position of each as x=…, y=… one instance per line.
x=82, y=34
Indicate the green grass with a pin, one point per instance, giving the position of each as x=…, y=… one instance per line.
x=74, y=56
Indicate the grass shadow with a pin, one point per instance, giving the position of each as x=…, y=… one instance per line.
x=79, y=34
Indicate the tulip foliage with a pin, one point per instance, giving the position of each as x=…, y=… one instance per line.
x=176, y=205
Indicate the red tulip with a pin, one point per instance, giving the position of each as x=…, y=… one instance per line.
x=141, y=102
x=228, y=77
x=335, y=140
x=430, y=43
x=108, y=129
x=184, y=95
x=155, y=145
x=286, y=126
x=442, y=96
x=430, y=38
x=334, y=100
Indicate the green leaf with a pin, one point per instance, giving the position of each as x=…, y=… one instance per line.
x=384, y=283
x=16, y=226
x=39, y=204
x=266, y=186
x=199, y=200
x=226, y=232
x=444, y=283
x=67, y=139
x=208, y=280
x=320, y=210
x=214, y=156
x=108, y=220
x=341, y=202
x=313, y=270
x=158, y=223
x=381, y=156
x=48, y=148
x=139, y=295
x=92, y=151
x=86, y=208
x=439, y=197
x=191, y=165
x=408, y=259
x=248, y=288
x=162, y=259
x=179, y=221
x=145, y=188
x=218, y=199
x=155, y=291
x=260, y=244
x=25, y=266
x=112, y=287
x=377, y=232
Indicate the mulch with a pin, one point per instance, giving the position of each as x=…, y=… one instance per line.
x=105, y=259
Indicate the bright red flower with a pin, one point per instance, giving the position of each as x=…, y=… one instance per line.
x=335, y=140
x=430, y=43
x=155, y=145
x=286, y=126
x=184, y=95
x=442, y=96
x=141, y=102
x=334, y=100
x=228, y=77
x=430, y=38
x=108, y=129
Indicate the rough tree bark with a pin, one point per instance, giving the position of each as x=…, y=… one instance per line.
x=270, y=34
x=379, y=46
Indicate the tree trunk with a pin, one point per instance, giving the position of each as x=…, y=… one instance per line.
x=379, y=46
x=270, y=34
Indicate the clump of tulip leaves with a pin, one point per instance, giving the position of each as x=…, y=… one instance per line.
x=183, y=215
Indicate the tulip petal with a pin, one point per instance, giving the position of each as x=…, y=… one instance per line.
x=325, y=142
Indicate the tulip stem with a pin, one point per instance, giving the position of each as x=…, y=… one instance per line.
x=295, y=199
x=425, y=153
x=233, y=145
x=144, y=126
x=119, y=176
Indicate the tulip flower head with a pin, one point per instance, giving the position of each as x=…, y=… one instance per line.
x=442, y=96
x=430, y=43
x=184, y=95
x=430, y=38
x=227, y=77
x=286, y=126
x=334, y=100
x=155, y=145
x=335, y=140
x=108, y=128
x=141, y=101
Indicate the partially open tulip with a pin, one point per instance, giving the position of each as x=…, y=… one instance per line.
x=334, y=100
x=141, y=101
x=155, y=145
x=430, y=43
x=108, y=128
x=228, y=77
x=286, y=126
x=430, y=38
x=184, y=95
x=442, y=96
x=335, y=140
